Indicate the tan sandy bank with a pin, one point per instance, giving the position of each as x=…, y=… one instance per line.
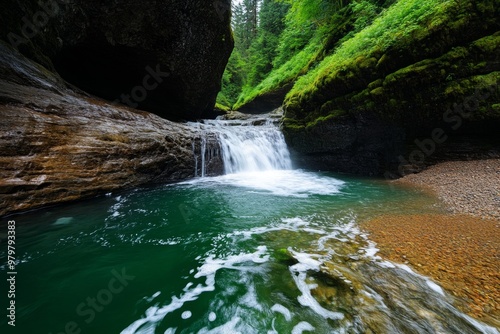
x=460, y=252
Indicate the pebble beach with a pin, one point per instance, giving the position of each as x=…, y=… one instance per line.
x=460, y=248
x=469, y=187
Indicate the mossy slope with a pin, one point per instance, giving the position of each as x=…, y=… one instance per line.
x=404, y=72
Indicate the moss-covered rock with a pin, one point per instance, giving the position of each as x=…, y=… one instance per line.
x=398, y=79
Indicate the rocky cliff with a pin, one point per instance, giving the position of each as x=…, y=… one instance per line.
x=58, y=145
x=166, y=57
x=405, y=90
x=73, y=76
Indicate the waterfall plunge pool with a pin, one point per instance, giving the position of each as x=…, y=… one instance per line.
x=262, y=249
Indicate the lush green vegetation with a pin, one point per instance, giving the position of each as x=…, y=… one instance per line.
x=320, y=50
x=257, y=27
x=288, y=39
x=401, y=21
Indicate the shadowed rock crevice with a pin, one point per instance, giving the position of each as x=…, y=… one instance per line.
x=164, y=57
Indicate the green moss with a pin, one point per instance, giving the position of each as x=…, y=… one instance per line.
x=305, y=42
x=222, y=107
x=298, y=64
x=401, y=24
x=488, y=44
x=291, y=124
x=377, y=91
x=375, y=84
x=323, y=119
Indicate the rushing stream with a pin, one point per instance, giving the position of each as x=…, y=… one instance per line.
x=262, y=249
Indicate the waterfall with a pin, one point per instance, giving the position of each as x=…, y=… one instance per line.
x=245, y=146
x=249, y=148
x=203, y=154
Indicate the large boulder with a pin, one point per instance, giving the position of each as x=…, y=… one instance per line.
x=57, y=145
x=166, y=57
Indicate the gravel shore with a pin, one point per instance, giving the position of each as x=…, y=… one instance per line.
x=460, y=249
x=470, y=187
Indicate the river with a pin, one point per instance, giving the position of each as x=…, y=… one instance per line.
x=265, y=248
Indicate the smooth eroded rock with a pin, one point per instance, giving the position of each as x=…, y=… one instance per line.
x=58, y=145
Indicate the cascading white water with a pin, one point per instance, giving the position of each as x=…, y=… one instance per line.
x=255, y=156
x=253, y=148
x=246, y=147
x=203, y=154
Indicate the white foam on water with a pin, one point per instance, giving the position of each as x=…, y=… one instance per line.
x=375, y=296
x=435, y=287
x=299, y=274
x=371, y=250
x=150, y=299
x=485, y=329
x=407, y=269
x=273, y=330
x=147, y=323
x=432, y=285
x=165, y=242
x=170, y=331
x=302, y=327
x=287, y=224
x=306, y=261
x=212, y=317
x=314, y=231
x=227, y=328
x=63, y=221
x=278, y=308
x=287, y=183
x=250, y=298
x=387, y=264
x=186, y=315
x=154, y=314
x=212, y=264
x=295, y=222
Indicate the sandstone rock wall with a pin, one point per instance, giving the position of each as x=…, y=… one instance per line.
x=58, y=145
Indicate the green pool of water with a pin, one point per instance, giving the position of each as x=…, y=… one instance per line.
x=233, y=254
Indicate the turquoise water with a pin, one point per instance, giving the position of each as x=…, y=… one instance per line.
x=271, y=252
x=263, y=249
